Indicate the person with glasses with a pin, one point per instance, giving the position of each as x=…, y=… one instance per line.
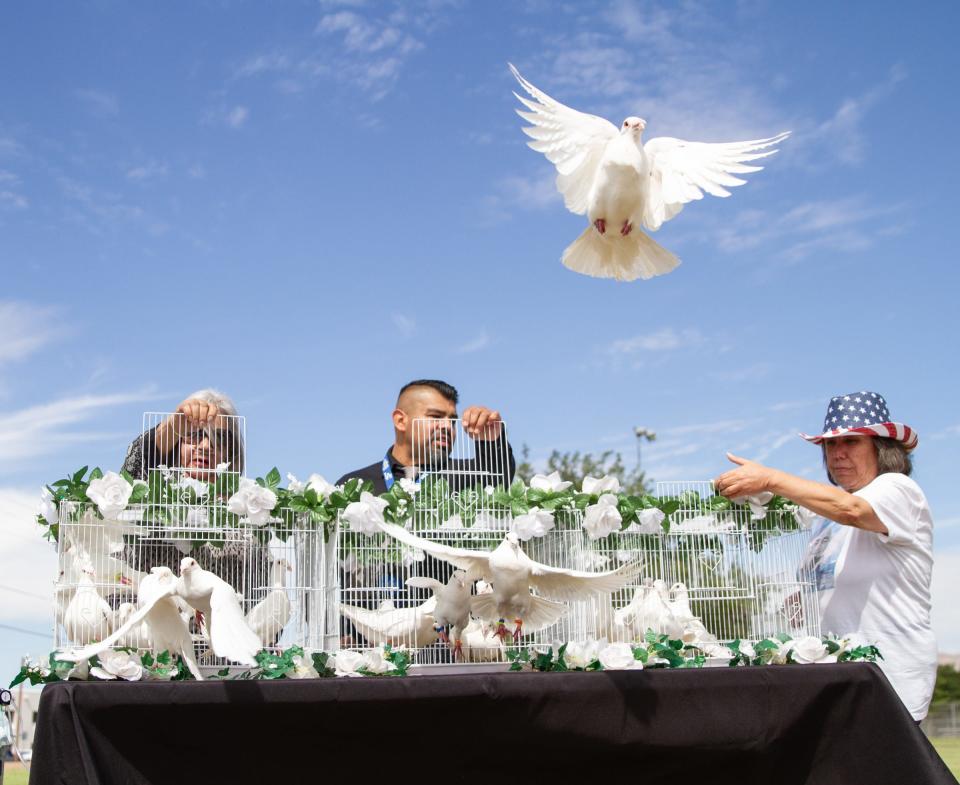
x=197, y=438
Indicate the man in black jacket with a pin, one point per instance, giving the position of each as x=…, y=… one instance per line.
x=423, y=434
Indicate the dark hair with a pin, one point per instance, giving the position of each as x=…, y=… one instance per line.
x=448, y=391
x=892, y=457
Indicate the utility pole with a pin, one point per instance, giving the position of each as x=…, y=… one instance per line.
x=642, y=434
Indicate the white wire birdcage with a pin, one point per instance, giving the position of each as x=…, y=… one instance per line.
x=737, y=576
x=276, y=570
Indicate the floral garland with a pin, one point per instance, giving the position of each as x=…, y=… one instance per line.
x=655, y=651
x=546, y=503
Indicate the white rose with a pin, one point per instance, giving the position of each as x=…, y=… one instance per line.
x=549, y=482
x=718, y=650
x=650, y=520
x=47, y=507
x=595, y=560
x=294, y=485
x=253, y=502
x=411, y=556
x=408, y=485
x=302, y=668
x=110, y=493
x=580, y=655
x=316, y=482
x=374, y=662
x=602, y=518
x=198, y=517
x=222, y=467
x=452, y=523
x=118, y=665
x=347, y=663
x=779, y=657
x=488, y=521
x=805, y=517
x=366, y=515
x=811, y=649
x=605, y=484
x=747, y=648
x=618, y=657
x=200, y=489
x=535, y=523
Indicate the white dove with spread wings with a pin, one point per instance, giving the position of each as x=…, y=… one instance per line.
x=622, y=184
x=513, y=574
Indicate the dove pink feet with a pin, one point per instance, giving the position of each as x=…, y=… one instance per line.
x=457, y=650
x=626, y=228
x=600, y=225
x=518, y=630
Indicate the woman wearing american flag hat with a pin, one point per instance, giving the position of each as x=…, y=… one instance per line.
x=872, y=552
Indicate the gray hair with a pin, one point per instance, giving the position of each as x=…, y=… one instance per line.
x=892, y=457
x=223, y=401
x=237, y=452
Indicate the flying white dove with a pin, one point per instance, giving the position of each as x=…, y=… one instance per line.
x=269, y=616
x=512, y=574
x=452, y=612
x=87, y=616
x=159, y=611
x=216, y=600
x=622, y=185
x=413, y=627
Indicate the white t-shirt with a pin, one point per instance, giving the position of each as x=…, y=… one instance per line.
x=879, y=585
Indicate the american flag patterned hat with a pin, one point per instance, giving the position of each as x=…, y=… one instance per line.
x=866, y=413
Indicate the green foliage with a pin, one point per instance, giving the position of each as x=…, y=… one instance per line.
x=947, y=688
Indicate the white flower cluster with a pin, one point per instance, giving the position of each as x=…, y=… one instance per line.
x=111, y=494
x=350, y=663
x=366, y=515
x=253, y=502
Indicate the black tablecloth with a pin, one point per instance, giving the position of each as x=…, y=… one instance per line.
x=775, y=725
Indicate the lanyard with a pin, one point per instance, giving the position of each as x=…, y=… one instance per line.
x=387, y=470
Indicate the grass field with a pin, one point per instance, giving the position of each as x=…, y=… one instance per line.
x=949, y=749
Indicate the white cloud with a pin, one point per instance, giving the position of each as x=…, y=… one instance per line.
x=237, y=116
x=147, y=171
x=482, y=341
x=25, y=329
x=27, y=561
x=946, y=433
x=197, y=172
x=13, y=200
x=44, y=428
x=945, y=613
x=406, y=325
x=99, y=102
x=665, y=339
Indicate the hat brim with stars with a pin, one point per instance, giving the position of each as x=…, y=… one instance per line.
x=863, y=413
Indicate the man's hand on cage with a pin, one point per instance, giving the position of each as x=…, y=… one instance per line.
x=482, y=423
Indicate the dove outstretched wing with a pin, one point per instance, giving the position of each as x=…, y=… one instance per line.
x=681, y=171
x=474, y=562
x=572, y=141
x=571, y=585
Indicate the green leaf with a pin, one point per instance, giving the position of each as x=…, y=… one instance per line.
x=78, y=475
x=96, y=474
x=273, y=478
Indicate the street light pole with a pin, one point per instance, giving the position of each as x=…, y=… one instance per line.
x=641, y=434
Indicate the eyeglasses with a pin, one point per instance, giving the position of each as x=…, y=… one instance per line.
x=216, y=437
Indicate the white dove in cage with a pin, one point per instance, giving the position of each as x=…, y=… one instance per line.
x=452, y=612
x=223, y=621
x=414, y=627
x=269, y=616
x=648, y=610
x=693, y=629
x=513, y=574
x=160, y=613
x=87, y=616
x=622, y=184
x=135, y=636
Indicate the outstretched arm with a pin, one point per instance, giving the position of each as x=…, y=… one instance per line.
x=833, y=503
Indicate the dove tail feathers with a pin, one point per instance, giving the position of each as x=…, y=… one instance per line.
x=614, y=256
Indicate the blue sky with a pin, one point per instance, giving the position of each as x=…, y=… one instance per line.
x=308, y=204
